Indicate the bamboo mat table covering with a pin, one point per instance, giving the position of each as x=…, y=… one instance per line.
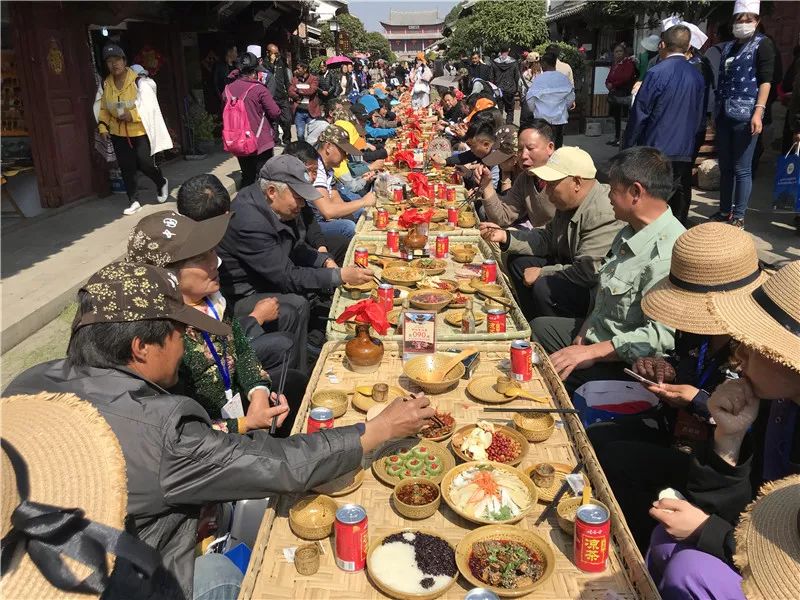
x=271, y=576
x=517, y=326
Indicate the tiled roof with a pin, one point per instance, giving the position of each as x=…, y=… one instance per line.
x=420, y=17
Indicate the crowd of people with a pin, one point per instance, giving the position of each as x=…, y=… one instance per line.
x=178, y=347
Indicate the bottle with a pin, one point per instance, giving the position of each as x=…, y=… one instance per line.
x=402, y=316
x=468, y=318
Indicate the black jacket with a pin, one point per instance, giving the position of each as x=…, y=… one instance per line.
x=176, y=462
x=260, y=253
x=505, y=74
x=281, y=75
x=479, y=71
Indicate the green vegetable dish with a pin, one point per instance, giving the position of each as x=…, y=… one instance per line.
x=417, y=462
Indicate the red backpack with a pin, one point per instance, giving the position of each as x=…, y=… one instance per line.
x=237, y=136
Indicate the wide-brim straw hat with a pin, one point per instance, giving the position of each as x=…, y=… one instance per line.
x=768, y=319
x=712, y=258
x=65, y=453
x=768, y=542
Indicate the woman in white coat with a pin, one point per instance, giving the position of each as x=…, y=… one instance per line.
x=420, y=78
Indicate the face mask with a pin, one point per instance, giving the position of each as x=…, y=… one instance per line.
x=743, y=30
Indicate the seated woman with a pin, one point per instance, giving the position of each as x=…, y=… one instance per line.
x=641, y=456
x=221, y=373
x=691, y=552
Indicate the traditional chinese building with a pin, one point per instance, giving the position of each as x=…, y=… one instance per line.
x=412, y=32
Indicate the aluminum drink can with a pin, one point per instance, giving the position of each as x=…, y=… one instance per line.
x=361, y=257
x=381, y=218
x=489, y=271
x=496, y=320
x=397, y=194
x=592, y=536
x=441, y=191
x=350, y=531
x=452, y=216
x=521, y=354
x=393, y=240
x=319, y=418
x=386, y=296
x=442, y=246
x=451, y=193
x=481, y=594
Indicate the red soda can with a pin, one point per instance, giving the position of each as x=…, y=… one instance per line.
x=452, y=216
x=386, y=296
x=442, y=246
x=441, y=191
x=496, y=320
x=393, y=240
x=319, y=418
x=489, y=271
x=381, y=218
x=361, y=257
x=521, y=354
x=592, y=536
x=397, y=194
x=451, y=193
x=350, y=532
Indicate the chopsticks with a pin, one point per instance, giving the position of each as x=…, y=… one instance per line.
x=498, y=300
x=284, y=370
x=377, y=279
x=578, y=468
x=527, y=409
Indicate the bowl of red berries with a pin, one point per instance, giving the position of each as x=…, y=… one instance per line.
x=487, y=441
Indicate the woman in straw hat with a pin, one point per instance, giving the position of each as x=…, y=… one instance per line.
x=640, y=457
x=58, y=453
x=692, y=551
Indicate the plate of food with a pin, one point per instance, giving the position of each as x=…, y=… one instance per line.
x=487, y=441
x=429, y=266
x=430, y=299
x=342, y=485
x=421, y=201
x=469, y=271
x=401, y=275
x=488, y=492
x=412, y=457
x=454, y=317
x=441, y=227
x=509, y=561
x=438, y=432
x=436, y=283
x=546, y=492
x=400, y=293
x=439, y=215
x=412, y=564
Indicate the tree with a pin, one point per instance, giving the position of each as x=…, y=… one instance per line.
x=490, y=25
x=377, y=46
x=348, y=23
x=602, y=14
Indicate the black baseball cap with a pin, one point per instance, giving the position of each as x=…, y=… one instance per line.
x=291, y=171
x=249, y=62
x=110, y=50
x=123, y=292
x=166, y=237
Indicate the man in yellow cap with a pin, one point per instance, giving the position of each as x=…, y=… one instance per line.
x=616, y=331
x=570, y=247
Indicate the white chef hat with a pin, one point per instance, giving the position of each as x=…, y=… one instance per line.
x=698, y=37
x=747, y=6
x=255, y=50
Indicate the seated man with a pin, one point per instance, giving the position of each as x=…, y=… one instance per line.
x=332, y=212
x=527, y=199
x=124, y=353
x=503, y=156
x=616, y=333
x=265, y=252
x=452, y=111
x=372, y=126
x=570, y=247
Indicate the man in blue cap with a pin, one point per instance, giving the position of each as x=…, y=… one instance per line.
x=371, y=107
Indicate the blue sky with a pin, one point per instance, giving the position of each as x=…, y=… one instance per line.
x=371, y=12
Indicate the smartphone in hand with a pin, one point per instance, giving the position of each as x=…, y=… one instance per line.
x=639, y=378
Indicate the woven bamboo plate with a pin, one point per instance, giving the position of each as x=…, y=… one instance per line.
x=342, y=485
x=455, y=471
x=393, y=593
x=562, y=470
x=398, y=299
x=401, y=275
x=482, y=389
x=364, y=402
x=441, y=227
x=434, y=266
x=461, y=433
x=445, y=459
x=439, y=215
x=505, y=532
x=453, y=317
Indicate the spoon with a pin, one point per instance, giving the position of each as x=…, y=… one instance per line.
x=516, y=392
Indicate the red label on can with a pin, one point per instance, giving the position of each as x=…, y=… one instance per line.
x=442, y=246
x=351, y=545
x=397, y=194
x=381, y=219
x=452, y=216
x=386, y=296
x=590, y=545
x=441, y=191
x=393, y=240
x=489, y=272
x=451, y=194
x=361, y=257
x=496, y=321
x=314, y=425
x=521, y=369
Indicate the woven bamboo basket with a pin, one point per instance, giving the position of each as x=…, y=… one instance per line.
x=535, y=427
x=415, y=511
x=333, y=399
